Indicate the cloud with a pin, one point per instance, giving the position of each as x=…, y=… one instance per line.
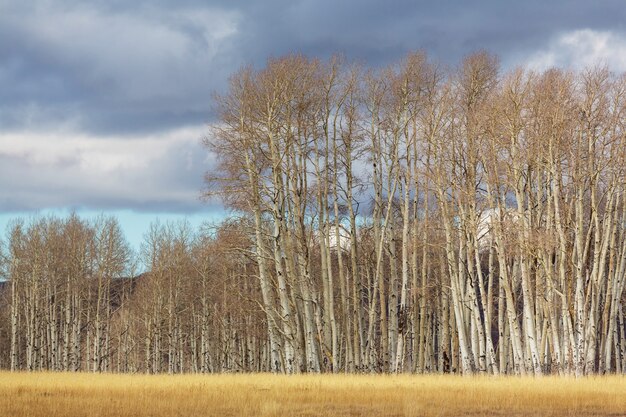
x=111, y=70
x=124, y=67
x=102, y=103
x=158, y=172
x=582, y=48
x=139, y=57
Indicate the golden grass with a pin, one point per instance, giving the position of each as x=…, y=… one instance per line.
x=63, y=394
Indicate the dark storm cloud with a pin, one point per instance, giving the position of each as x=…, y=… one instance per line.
x=124, y=66
x=380, y=31
x=117, y=72
x=111, y=71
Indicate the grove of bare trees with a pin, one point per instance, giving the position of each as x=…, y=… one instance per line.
x=413, y=218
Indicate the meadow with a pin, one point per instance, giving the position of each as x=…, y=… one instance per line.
x=109, y=395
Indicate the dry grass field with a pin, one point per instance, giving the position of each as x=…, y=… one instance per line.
x=59, y=394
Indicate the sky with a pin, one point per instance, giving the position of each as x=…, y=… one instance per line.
x=103, y=104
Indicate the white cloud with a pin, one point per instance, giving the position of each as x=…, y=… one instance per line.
x=67, y=169
x=100, y=154
x=582, y=48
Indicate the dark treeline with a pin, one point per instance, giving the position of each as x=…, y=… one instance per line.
x=408, y=219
